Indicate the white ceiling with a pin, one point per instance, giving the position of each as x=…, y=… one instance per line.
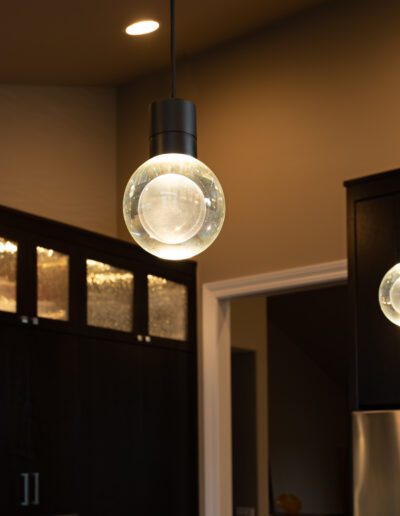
x=82, y=42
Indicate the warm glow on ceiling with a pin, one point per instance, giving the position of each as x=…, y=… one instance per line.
x=142, y=27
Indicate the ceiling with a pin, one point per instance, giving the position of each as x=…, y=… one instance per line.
x=82, y=42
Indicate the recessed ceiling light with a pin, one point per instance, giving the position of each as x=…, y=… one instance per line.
x=142, y=27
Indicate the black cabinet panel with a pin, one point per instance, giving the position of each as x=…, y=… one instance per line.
x=105, y=427
x=378, y=339
x=15, y=417
x=373, y=248
x=56, y=409
x=169, y=401
x=107, y=442
x=143, y=449
x=40, y=409
x=116, y=448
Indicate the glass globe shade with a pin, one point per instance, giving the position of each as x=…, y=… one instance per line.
x=174, y=206
x=389, y=294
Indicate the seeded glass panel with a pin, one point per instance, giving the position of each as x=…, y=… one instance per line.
x=52, y=284
x=168, y=307
x=8, y=275
x=109, y=296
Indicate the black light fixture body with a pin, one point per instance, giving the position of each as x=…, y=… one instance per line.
x=173, y=127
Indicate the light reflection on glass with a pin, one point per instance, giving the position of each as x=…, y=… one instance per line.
x=109, y=296
x=52, y=284
x=168, y=307
x=8, y=247
x=8, y=275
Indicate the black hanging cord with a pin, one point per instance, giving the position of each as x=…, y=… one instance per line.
x=173, y=49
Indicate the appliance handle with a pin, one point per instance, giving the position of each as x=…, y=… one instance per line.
x=25, y=499
x=36, y=489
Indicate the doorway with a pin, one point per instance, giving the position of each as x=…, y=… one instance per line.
x=215, y=370
x=308, y=405
x=289, y=372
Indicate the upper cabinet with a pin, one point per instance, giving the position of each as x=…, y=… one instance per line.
x=98, y=393
x=58, y=277
x=373, y=248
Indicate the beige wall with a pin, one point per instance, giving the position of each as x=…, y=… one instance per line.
x=58, y=154
x=284, y=118
x=249, y=331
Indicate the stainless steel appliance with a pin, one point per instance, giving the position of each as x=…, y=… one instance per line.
x=376, y=463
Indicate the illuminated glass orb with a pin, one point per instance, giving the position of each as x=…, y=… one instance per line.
x=389, y=294
x=174, y=206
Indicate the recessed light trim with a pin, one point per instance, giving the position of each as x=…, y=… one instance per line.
x=142, y=27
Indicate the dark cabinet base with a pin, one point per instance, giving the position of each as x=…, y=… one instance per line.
x=110, y=428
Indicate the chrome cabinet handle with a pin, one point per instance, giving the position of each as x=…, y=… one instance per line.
x=24, y=319
x=25, y=500
x=36, y=489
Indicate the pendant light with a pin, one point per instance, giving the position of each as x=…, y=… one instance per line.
x=389, y=294
x=173, y=205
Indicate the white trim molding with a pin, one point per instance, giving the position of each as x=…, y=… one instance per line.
x=280, y=281
x=215, y=369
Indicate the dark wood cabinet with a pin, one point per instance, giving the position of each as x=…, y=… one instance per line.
x=15, y=417
x=144, y=427
x=41, y=414
x=373, y=248
x=57, y=405
x=116, y=427
x=98, y=397
x=167, y=386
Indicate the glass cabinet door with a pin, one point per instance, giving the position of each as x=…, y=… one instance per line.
x=167, y=308
x=110, y=292
x=55, y=283
x=52, y=269
x=8, y=275
x=34, y=280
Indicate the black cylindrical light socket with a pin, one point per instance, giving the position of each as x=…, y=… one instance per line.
x=173, y=127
